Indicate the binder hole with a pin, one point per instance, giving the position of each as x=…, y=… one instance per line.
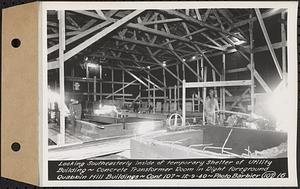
x=16, y=43
x=15, y=146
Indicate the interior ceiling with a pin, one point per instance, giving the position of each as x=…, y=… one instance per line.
x=156, y=34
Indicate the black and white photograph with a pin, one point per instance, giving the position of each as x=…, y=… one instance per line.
x=168, y=84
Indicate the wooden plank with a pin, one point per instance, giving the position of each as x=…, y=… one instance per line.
x=274, y=45
x=134, y=76
x=243, y=96
x=224, y=79
x=218, y=83
x=161, y=21
x=237, y=70
x=183, y=102
x=210, y=39
x=88, y=24
x=204, y=95
x=260, y=80
x=98, y=94
x=198, y=14
x=266, y=35
x=121, y=89
x=95, y=88
x=283, y=39
x=206, y=14
x=61, y=18
x=100, y=13
x=153, y=84
x=252, y=65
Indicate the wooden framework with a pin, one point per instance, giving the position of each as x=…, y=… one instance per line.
x=180, y=44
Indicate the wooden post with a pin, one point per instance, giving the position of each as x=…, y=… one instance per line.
x=183, y=72
x=183, y=102
x=170, y=98
x=198, y=73
x=202, y=77
x=283, y=40
x=112, y=84
x=61, y=18
x=224, y=78
x=165, y=89
x=178, y=82
x=252, y=66
x=140, y=95
x=100, y=84
x=154, y=107
x=95, y=89
x=148, y=88
x=204, y=94
x=123, y=90
x=175, y=97
x=88, y=83
x=193, y=102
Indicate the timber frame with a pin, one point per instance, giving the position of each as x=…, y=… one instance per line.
x=141, y=43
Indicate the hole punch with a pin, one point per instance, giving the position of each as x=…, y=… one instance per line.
x=15, y=146
x=16, y=43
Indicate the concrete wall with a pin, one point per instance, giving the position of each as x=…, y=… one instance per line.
x=165, y=145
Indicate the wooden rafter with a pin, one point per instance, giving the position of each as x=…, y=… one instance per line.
x=267, y=38
x=79, y=36
x=101, y=34
x=199, y=23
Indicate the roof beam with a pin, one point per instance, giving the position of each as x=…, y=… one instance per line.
x=217, y=83
x=101, y=34
x=161, y=64
x=267, y=38
x=199, y=23
x=264, y=15
x=100, y=13
x=134, y=76
x=161, y=21
x=79, y=36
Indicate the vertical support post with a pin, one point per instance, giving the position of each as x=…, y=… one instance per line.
x=175, y=97
x=165, y=84
x=100, y=83
x=204, y=94
x=61, y=18
x=193, y=102
x=198, y=80
x=183, y=71
x=140, y=95
x=170, y=98
x=178, y=82
x=283, y=40
x=148, y=88
x=183, y=102
x=123, y=90
x=252, y=66
x=154, y=107
x=112, y=84
x=224, y=78
x=95, y=89
x=88, y=83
